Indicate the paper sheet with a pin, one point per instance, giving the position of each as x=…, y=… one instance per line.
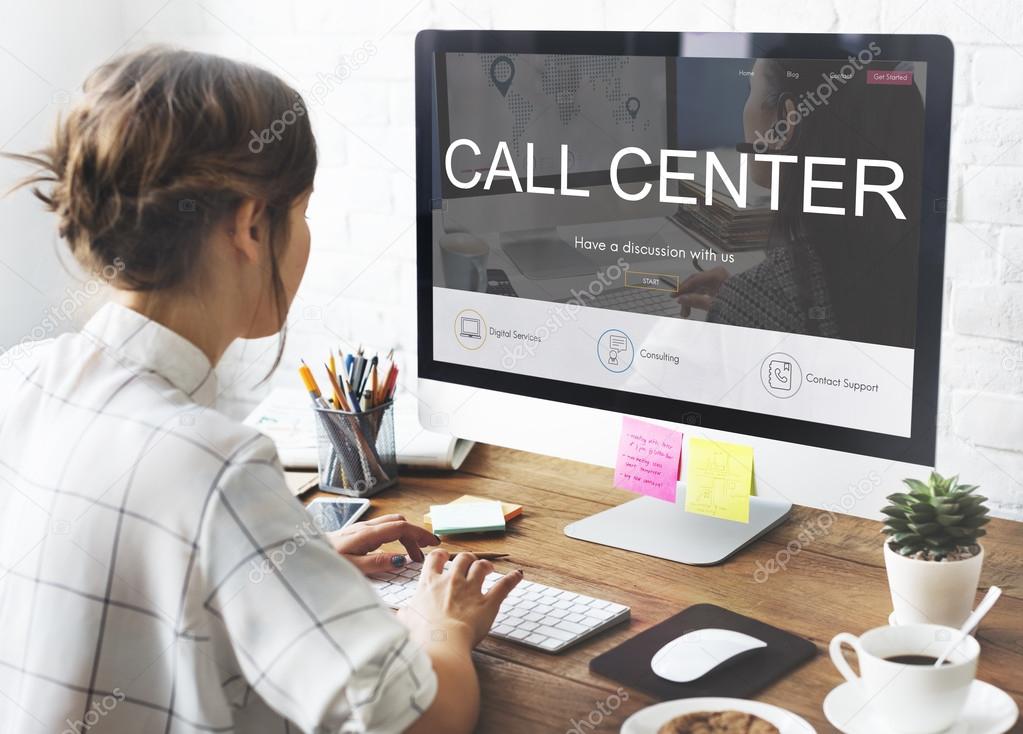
x=718, y=479
x=467, y=517
x=648, y=459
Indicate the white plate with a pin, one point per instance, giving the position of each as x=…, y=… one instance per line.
x=988, y=710
x=650, y=719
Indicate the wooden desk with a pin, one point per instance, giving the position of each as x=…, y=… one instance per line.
x=833, y=582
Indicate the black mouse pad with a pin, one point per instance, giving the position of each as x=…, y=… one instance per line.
x=629, y=663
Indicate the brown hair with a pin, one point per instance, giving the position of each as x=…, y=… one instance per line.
x=165, y=144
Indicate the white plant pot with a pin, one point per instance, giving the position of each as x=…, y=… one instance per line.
x=932, y=592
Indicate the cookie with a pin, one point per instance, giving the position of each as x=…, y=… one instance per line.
x=717, y=722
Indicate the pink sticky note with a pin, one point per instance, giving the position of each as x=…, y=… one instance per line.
x=649, y=459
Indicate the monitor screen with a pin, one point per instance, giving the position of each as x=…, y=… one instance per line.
x=781, y=279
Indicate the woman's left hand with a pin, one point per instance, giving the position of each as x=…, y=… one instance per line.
x=359, y=541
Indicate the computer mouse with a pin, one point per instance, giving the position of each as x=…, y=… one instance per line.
x=696, y=653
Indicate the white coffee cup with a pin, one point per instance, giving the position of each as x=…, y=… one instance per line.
x=464, y=260
x=914, y=699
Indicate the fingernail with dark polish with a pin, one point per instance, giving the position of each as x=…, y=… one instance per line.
x=398, y=561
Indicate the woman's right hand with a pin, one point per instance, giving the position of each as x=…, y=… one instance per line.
x=449, y=605
x=699, y=289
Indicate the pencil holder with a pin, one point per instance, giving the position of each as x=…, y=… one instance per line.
x=356, y=450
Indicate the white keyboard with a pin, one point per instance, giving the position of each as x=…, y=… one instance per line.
x=539, y=616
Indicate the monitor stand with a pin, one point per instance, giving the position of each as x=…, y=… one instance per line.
x=657, y=528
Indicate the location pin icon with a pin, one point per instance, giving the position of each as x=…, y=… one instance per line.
x=502, y=71
x=632, y=106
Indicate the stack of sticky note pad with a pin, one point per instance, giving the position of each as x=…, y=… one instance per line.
x=470, y=514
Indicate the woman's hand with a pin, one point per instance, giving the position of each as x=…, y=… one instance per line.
x=699, y=289
x=450, y=605
x=358, y=541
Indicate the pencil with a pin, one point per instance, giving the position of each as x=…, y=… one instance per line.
x=339, y=399
x=310, y=383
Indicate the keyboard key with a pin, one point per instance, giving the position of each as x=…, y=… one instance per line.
x=556, y=633
x=575, y=629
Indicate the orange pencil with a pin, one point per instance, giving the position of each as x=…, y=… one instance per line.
x=339, y=401
x=373, y=382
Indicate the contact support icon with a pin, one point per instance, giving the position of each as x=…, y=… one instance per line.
x=781, y=375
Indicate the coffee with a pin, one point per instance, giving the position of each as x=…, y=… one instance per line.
x=912, y=696
x=914, y=660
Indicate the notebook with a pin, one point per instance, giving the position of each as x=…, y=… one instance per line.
x=511, y=511
x=629, y=663
x=467, y=517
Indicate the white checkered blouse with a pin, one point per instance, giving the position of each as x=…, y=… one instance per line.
x=155, y=573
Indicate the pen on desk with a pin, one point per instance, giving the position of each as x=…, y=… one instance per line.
x=481, y=556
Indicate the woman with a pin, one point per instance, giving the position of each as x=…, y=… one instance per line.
x=846, y=277
x=132, y=515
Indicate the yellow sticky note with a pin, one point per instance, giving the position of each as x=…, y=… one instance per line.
x=719, y=476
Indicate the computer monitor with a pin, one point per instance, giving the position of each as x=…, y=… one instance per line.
x=748, y=243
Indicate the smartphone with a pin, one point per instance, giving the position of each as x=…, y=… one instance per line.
x=331, y=514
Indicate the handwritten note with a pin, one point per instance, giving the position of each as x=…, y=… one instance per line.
x=649, y=459
x=718, y=479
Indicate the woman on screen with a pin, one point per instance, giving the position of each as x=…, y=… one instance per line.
x=848, y=277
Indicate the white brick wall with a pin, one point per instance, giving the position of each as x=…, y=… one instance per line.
x=360, y=285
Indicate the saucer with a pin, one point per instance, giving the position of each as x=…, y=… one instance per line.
x=988, y=710
x=651, y=718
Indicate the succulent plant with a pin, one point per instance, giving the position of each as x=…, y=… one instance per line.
x=936, y=519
